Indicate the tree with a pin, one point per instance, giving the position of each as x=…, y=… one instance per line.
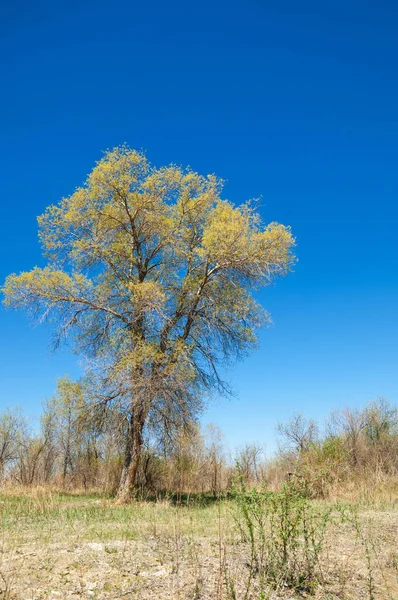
x=350, y=424
x=248, y=461
x=12, y=433
x=73, y=430
x=298, y=432
x=215, y=456
x=63, y=411
x=151, y=271
x=380, y=421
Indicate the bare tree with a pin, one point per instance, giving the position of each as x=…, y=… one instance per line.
x=350, y=424
x=12, y=433
x=248, y=461
x=214, y=456
x=298, y=433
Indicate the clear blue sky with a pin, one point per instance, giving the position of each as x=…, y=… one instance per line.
x=294, y=101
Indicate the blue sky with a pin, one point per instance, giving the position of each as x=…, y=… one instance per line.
x=293, y=101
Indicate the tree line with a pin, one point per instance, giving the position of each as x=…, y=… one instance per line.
x=79, y=447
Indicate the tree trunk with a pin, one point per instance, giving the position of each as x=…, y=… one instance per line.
x=132, y=459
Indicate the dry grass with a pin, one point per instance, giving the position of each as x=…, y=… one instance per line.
x=56, y=546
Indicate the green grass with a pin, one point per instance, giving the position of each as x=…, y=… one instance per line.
x=92, y=517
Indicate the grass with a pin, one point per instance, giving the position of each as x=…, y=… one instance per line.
x=60, y=517
x=59, y=545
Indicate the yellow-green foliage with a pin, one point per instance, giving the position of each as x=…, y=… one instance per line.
x=156, y=259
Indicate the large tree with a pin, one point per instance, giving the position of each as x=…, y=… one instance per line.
x=152, y=272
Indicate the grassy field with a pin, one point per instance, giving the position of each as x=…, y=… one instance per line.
x=55, y=546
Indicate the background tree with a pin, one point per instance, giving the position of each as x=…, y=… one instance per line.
x=152, y=272
x=298, y=433
x=351, y=424
x=73, y=431
x=63, y=411
x=12, y=433
x=380, y=421
x=249, y=461
x=214, y=456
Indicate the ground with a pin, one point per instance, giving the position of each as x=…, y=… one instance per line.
x=56, y=546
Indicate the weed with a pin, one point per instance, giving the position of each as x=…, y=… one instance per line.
x=285, y=532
